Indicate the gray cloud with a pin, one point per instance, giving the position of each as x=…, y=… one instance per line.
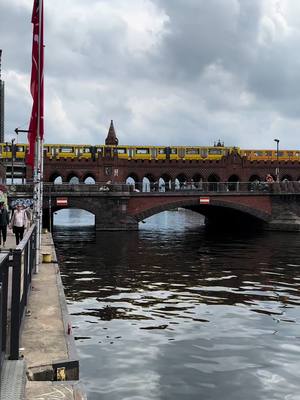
x=168, y=72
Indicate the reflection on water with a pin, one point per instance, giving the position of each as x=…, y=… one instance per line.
x=174, y=312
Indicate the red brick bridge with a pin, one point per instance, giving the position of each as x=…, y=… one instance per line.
x=119, y=207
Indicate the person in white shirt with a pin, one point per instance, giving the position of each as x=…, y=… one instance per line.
x=18, y=222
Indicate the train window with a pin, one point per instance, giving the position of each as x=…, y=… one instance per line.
x=19, y=148
x=268, y=153
x=142, y=151
x=130, y=152
x=280, y=153
x=290, y=154
x=259, y=153
x=66, y=149
x=191, y=151
x=173, y=151
x=122, y=150
x=181, y=152
x=215, y=151
x=161, y=151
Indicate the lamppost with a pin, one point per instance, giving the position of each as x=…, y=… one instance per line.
x=12, y=160
x=277, y=158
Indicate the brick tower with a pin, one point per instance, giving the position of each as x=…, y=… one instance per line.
x=111, y=138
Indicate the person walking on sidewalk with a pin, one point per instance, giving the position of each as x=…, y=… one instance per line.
x=4, y=221
x=18, y=222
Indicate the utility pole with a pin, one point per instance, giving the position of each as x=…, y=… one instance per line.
x=1, y=104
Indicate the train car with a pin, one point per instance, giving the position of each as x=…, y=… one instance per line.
x=271, y=155
x=127, y=152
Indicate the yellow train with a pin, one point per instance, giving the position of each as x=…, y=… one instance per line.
x=76, y=151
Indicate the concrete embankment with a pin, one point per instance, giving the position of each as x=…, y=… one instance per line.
x=47, y=344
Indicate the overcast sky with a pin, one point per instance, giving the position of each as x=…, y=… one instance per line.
x=166, y=71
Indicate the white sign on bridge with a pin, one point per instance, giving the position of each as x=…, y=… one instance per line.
x=204, y=200
x=62, y=201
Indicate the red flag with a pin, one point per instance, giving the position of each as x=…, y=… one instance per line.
x=37, y=80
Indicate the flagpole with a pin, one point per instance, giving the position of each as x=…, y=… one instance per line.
x=38, y=159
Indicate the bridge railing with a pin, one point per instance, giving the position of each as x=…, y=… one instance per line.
x=205, y=187
x=16, y=268
x=219, y=187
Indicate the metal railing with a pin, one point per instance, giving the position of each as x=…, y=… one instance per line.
x=169, y=187
x=217, y=187
x=16, y=268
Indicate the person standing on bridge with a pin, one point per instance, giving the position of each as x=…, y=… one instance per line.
x=18, y=222
x=4, y=221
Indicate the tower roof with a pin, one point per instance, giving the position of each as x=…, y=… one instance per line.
x=111, y=138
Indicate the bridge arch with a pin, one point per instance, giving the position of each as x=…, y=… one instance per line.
x=197, y=181
x=147, y=182
x=286, y=177
x=167, y=181
x=56, y=178
x=73, y=179
x=72, y=217
x=134, y=180
x=213, y=181
x=180, y=180
x=233, y=181
x=254, y=178
x=89, y=179
x=221, y=206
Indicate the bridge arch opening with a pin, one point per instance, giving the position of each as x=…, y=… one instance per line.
x=233, y=183
x=222, y=214
x=254, y=178
x=180, y=181
x=89, y=179
x=133, y=180
x=161, y=185
x=73, y=180
x=213, y=181
x=287, y=178
x=73, y=218
x=197, y=181
x=167, y=182
x=56, y=178
x=146, y=184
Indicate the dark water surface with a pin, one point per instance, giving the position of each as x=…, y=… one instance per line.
x=173, y=312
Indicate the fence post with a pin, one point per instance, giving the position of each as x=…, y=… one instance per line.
x=4, y=299
x=15, y=306
x=1, y=319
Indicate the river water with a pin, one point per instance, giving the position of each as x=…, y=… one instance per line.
x=173, y=312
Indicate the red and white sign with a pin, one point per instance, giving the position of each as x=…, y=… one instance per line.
x=62, y=201
x=204, y=200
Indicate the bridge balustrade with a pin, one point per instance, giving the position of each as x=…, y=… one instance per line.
x=183, y=187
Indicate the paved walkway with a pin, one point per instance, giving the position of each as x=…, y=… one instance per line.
x=45, y=338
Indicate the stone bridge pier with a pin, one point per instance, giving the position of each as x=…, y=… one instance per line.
x=110, y=211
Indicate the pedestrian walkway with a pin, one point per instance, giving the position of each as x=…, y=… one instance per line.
x=47, y=345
